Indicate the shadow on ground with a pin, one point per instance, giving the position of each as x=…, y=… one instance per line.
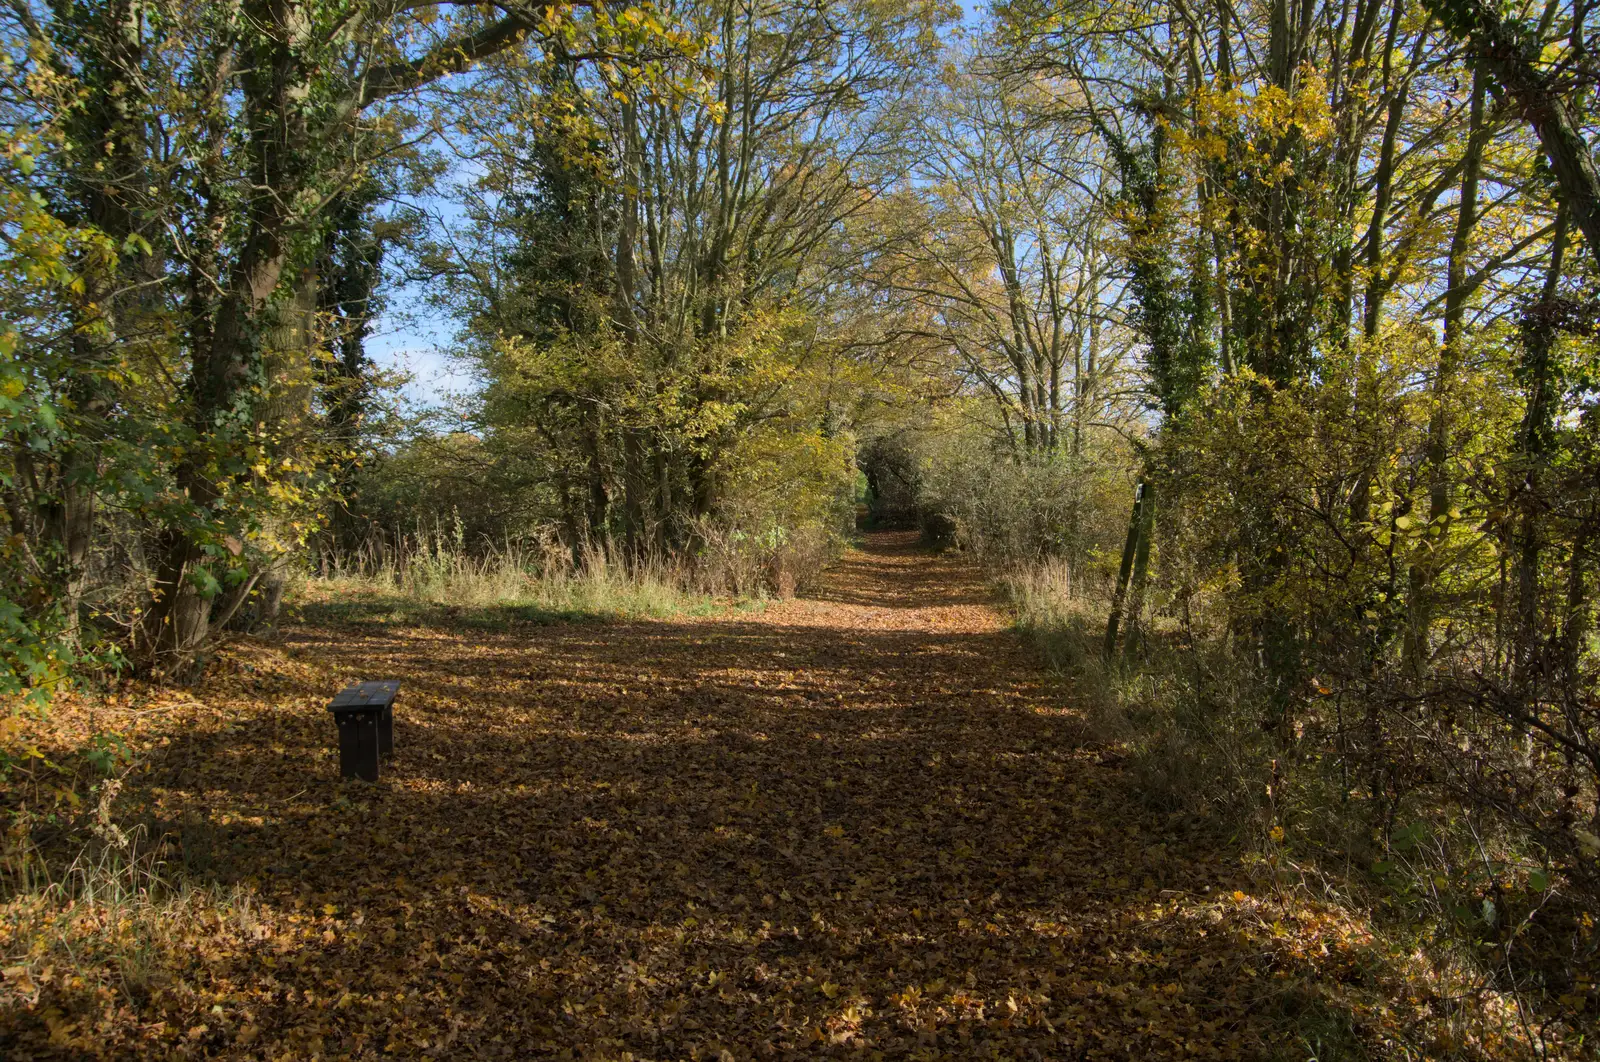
x=858, y=822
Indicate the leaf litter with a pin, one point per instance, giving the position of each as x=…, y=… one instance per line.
x=861, y=824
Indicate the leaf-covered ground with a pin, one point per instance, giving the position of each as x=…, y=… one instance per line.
x=862, y=824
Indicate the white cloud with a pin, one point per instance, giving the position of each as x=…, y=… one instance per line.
x=434, y=374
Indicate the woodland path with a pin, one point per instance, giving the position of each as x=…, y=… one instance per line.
x=860, y=824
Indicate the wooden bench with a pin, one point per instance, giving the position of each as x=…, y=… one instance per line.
x=365, y=714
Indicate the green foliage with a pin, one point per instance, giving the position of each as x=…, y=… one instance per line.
x=46, y=269
x=1012, y=513
x=192, y=252
x=106, y=753
x=1166, y=312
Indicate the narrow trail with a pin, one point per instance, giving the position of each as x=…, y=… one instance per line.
x=860, y=824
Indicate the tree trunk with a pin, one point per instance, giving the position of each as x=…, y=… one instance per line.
x=1575, y=625
x=1440, y=488
x=1383, y=183
x=1538, y=430
x=226, y=377
x=1129, y=550
x=286, y=366
x=1141, y=571
x=108, y=185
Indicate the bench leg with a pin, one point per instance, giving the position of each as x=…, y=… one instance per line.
x=358, y=746
x=386, y=732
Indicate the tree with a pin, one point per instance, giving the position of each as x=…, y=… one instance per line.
x=646, y=275
x=1509, y=53
x=216, y=148
x=1009, y=263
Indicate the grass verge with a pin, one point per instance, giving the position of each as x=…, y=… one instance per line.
x=502, y=590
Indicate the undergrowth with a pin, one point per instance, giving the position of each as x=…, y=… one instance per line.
x=110, y=922
x=1318, y=814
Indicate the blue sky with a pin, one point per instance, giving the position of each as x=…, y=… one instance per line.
x=414, y=339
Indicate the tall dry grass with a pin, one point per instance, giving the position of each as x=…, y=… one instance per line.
x=110, y=919
x=435, y=566
x=1057, y=612
x=1182, y=712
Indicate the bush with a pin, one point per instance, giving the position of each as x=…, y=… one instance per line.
x=1333, y=675
x=1012, y=510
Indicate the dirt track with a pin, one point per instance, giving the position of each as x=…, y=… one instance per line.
x=860, y=824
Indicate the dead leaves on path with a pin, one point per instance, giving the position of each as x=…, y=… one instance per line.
x=858, y=826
